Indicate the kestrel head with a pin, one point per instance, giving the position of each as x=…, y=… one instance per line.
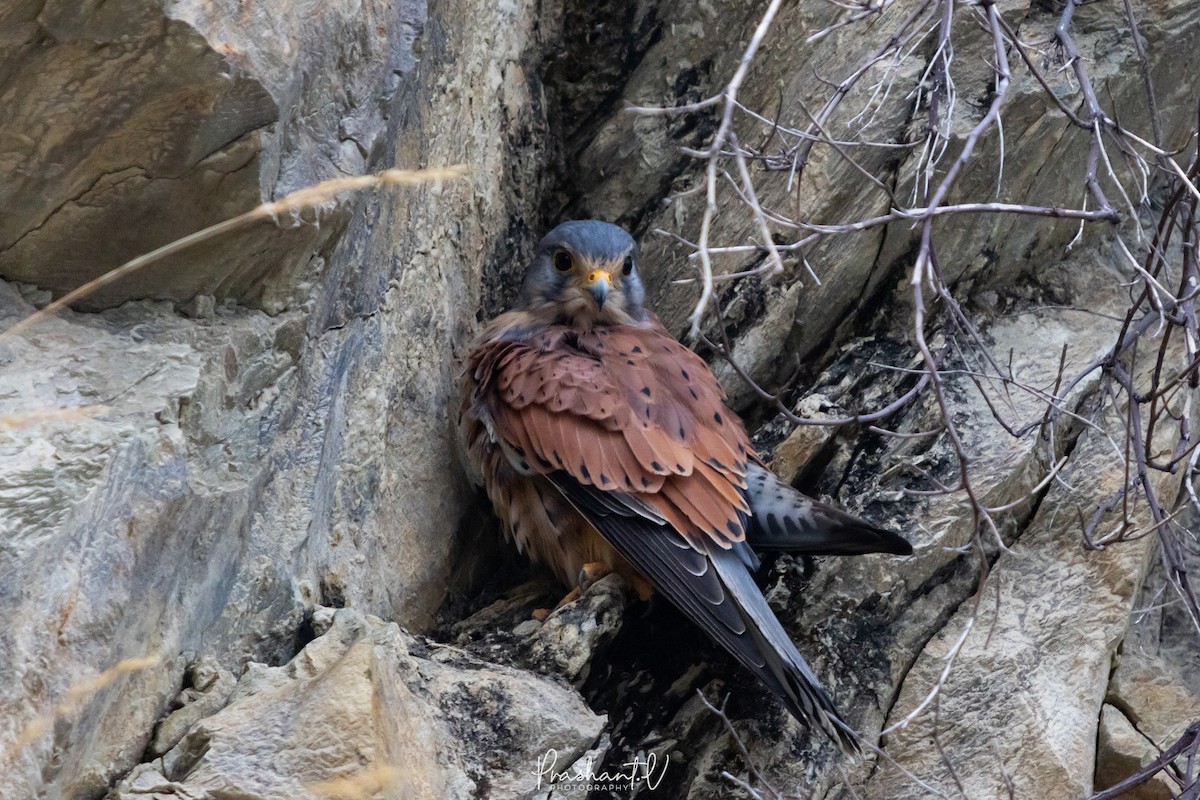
x=585, y=273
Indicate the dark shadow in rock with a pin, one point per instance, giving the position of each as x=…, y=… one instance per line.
x=648, y=686
x=487, y=569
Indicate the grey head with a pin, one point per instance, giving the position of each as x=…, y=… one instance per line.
x=585, y=272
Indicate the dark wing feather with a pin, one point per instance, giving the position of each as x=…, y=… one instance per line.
x=785, y=520
x=716, y=591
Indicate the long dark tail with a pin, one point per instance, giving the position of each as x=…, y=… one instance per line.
x=778, y=663
x=785, y=520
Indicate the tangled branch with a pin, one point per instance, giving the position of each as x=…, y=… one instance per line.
x=1155, y=395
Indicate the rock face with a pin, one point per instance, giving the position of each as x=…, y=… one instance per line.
x=204, y=460
x=131, y=124
x=1036, y=677
x=366, y=705
x=244, y=467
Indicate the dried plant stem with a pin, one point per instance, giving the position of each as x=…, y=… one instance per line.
x=1159, y=411
x=366, y=783
x=80, y=692
x=294, y=203
x=22, y=419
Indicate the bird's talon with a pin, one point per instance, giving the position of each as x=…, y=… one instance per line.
x=590, y=573
x=541, y=614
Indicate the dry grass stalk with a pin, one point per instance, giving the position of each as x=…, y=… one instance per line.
x=25, y=419
x=299, y=200
x=362, y=784
x=80, y=692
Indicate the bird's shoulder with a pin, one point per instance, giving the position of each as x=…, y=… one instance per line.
x=638, y=384
x=639, y=372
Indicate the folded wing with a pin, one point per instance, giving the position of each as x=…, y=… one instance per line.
x=715, y=589
x=632, y=428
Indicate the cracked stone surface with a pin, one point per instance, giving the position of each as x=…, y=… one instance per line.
x=1151, y=700
x=131, y=513
x=1123, y=750
x=365, y=698
x=1030, y=673
x=245, y=467
x=132, y=123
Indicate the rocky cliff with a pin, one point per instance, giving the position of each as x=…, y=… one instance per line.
x=238, y=557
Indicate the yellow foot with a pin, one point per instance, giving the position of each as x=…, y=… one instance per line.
x=644, y=589
x=591, y=572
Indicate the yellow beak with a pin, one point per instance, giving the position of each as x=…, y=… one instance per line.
x=599, y=283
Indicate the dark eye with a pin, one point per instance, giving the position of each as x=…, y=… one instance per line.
x=628, y=268
x=562, y=261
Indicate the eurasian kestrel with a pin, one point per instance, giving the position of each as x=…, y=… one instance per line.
x=606, y=445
